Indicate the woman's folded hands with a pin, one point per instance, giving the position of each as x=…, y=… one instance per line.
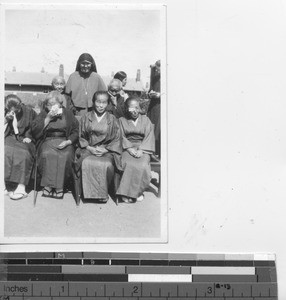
x=64, y=144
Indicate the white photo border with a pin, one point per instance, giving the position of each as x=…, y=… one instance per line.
x=162, y=8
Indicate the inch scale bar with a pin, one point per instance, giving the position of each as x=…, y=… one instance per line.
x=115, y=276
x=90, y=290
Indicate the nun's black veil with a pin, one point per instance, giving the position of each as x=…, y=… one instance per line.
x=88, y=57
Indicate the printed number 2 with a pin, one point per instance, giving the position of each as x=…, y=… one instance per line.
x=210, y=290
x=135, y=289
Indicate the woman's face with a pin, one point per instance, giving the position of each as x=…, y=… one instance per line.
x=51, y=102
x=133, y=109
x=85, y=66
x=59, y=85
x=100, y=104
x=16, y=108
x=114, y=89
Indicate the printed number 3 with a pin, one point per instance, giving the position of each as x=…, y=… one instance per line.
x=210, y=290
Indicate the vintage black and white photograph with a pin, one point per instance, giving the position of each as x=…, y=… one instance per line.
x=85, y=156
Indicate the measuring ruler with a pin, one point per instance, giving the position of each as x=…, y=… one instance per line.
x=116, y=276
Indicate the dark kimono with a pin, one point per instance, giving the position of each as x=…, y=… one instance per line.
x=97, y=172
x=54, y=165
x=19, y=156
x=154, y=109
x=136, y=175
x=119, y=110
x=69, y=103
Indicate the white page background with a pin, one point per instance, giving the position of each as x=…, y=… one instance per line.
x=226, y=131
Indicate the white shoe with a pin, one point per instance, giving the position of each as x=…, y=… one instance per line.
x=140, y=198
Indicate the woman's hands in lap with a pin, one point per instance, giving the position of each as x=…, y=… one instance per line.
x=135, y=153
x=64, y=144
x=27, y=140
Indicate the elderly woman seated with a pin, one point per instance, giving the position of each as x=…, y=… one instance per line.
x=19, y=145
x=100, y=149
x=138, y=145
x=56, y=132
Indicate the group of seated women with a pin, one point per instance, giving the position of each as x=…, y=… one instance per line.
x=92, y=144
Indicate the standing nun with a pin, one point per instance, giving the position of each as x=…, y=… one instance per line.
x=83, y=83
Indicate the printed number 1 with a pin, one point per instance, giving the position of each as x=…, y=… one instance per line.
x=63, y=288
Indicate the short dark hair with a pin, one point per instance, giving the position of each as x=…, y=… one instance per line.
x=99, y=93
x=120, y=75
x=128, y=100
x=12, y=100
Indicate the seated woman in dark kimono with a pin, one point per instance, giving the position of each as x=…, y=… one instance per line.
x=19, y=145
x=100, y=149
x=56, y=132
x=138, y=143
